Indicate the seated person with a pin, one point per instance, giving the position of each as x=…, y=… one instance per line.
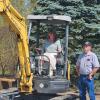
x=51, y=48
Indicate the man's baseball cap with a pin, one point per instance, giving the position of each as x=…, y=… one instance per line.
x=87, y=43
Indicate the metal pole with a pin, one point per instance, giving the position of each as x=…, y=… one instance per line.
x=38, y=34
x=66, y=49
x=29, y=32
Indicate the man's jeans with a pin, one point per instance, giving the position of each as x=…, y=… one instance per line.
x=85, y=84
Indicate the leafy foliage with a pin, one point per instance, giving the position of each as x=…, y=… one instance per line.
x=85, y=25
x=8, y=40
x=85, y=16
x=8, y=51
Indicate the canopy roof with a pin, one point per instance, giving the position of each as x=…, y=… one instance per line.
x=53, y=19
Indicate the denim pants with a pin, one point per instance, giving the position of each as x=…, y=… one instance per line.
x=85, y=84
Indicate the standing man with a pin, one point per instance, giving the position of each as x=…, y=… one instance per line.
x=86, y=67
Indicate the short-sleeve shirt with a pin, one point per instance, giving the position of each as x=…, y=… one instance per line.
x=52, y=47
x=86, y=62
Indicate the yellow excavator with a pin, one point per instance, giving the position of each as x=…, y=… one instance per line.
x=41, y=82
x=17, y=23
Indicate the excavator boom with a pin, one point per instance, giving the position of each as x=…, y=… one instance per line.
x=17, y=23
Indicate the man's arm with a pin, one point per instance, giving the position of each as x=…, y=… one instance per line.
x=59, y=47
x=78, y=66
x=96, y=66
x=93, y=72
x=77, y=70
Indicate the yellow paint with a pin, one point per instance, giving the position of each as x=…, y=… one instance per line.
x=68, y=71
x=17, y=23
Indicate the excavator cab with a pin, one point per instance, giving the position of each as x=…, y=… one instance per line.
x=39, y=27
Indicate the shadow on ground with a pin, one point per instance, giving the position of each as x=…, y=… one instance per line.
x=48, y=97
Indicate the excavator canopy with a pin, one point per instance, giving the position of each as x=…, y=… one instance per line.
x=53, y=19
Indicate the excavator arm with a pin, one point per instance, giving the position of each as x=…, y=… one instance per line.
x=17, y=23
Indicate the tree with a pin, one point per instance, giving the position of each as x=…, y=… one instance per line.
x=8, y=39
x=85, y=25
x=8, y=51
x=25, y=7
x=85, y=19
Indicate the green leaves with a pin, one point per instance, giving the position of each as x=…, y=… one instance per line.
x=25, y=7
x=85, y=18
x=90, y=2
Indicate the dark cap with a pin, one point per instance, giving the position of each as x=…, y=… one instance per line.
x=87, y=44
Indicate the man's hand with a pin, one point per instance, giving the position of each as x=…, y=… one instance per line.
x=92, y=73
x=90, y=76
x=38, y=50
